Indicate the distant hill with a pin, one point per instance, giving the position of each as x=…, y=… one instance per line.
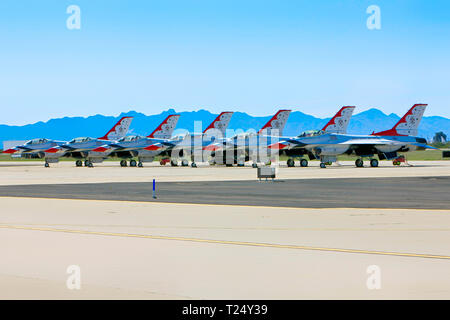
x=95, y=126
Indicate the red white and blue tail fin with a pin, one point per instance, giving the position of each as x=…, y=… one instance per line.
x=119, y=130
x=276, y=124
x=220, y=123
x=408, y=125
x=339, y=123
x=165, y=129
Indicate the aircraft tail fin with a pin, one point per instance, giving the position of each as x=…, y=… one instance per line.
x=119, y=130
x=277, y=122
x=165, y=129
x=408, y=125
x=340, y=121
x=220, y=123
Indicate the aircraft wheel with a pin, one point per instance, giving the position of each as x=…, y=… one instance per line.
x=323, y=165
x=290, y=163
x=140, y=164
x=86, y=163
x=374, y=163
x=229, y=164
x=133, y=163
x=359, y=163
x=46, y=165
x=193, y=165
x=184, y=163
x=90, y=164
x=303, y=163
x=123, y=163
x=173, y=163
x=254, y=165
x=79, y=163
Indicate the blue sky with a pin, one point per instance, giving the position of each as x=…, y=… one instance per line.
x=250, y=56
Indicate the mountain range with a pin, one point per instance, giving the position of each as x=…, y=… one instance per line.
x=95, y=126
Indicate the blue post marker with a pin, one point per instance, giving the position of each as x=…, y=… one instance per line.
x=154, y=189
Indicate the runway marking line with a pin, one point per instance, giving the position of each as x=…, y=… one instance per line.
x=154, y=202
x=231, y=242
x=225, y=228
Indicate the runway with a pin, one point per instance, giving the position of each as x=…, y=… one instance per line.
x=403, y=192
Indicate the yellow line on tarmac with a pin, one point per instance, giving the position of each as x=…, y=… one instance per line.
x=230, y=242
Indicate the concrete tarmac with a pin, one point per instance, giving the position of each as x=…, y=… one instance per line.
x=314, y=234
x=33, y=172
x=145, y=250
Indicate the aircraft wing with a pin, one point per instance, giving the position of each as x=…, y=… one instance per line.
x=382, y=141
x=159, y=146
x=286, y=144
x=372, y=141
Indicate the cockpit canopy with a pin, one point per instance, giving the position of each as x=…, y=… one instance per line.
x=80, y=140
x=180, y=136
x=130, y=138
x=36, y=141
x=311, y=133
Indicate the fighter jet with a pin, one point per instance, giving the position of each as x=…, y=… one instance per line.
x=81, y=148
x=326, y=146
x=33, y=149
x=190, y=146
x=144, y=148
x=337, y=124
x=241, y=147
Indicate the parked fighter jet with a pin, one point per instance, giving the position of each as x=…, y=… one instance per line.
x=337, y=124
x=81, y=148
x=240, y=148
x=33, y=149
x=144, y=148
x=386, y=144
x=191, y=145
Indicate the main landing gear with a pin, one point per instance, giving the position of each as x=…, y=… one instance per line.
x=291, y=163
x=87, y=163
x=133, y=163
x=374, y=163
x=360, y=163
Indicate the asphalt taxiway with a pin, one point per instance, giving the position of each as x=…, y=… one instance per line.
x=409, y=192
